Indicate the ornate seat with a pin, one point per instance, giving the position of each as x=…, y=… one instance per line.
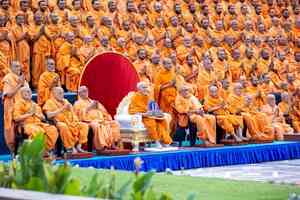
x=131, y=127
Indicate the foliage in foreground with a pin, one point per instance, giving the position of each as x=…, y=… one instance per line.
x=31, y=172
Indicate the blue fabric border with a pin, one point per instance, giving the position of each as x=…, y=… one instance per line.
x=198, y=158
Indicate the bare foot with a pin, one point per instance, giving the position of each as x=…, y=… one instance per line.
x=238, y=139
x=74, y=150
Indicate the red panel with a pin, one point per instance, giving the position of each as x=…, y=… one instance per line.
x=109, y=77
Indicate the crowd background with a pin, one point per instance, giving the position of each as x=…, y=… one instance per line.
x=213, y=48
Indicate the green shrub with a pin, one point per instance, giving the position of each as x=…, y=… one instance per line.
x=31, y=172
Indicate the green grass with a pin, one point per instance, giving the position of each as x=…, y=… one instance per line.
x=205, y=188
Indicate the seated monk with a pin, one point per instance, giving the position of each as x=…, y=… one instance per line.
x=235, y=105
x=188, y=106
x=275, y=117
x=215, y=104
x=295, y=111
x=257, y=126
x=47, y=81
x=284, y=105
x=157, y=128
x=255, y=90
x=29, y=115
x=72, y=132
x=12, y=82
x=106, y=131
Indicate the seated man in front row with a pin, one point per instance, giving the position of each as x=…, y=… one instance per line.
x=29, y=115
x=106, y=131
x=230, y=123
x=73, y=132
x=187, y=105
x=157, y=128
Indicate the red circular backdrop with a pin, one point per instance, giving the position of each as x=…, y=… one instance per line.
x=109, y=77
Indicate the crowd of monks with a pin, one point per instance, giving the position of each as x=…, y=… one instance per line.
x=215, y=62
x=54, y=116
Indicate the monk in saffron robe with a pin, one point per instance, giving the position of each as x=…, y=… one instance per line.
x=235, y=104
x=142, y=65
x=48, y=80
x=184, y=50
x=285, y=104
x=255, y=90
x=54, y=32
x=41, y=47
x=234, y=65
x=295, y=111
x=12, y=82
x=164, y=87
x=20, y=32
x=157, y=128
x=106, y=131
x=213, y=103
x=62, y=11
x=69, y=64
x=29, y=115
x=187, y=105
x=87, y=50
x=275, y=117
x=257, y=126
x=220, y=65
x=206, y=76
x=263, y=63
x=6, y=46
x=72, y=132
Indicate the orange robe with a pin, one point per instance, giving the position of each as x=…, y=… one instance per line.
x=157, y=128
x=53, y=30
x=10, y=82
x=106, y=131
x=247, y=66
x=275, y=117
x=257, y=125
x=6, y=54
x=182, y=53
x=205, y=78
x=68, y=66
x=295, y=115
x=225, y=120
x=41, y=50
x=33, y=125
x=252, y=119
x=71, y=130
x=22, y=49
x=143, y=69
x=220, y=68
x=3, y=68
x=206, y=124
x=235, y=69
x=165, y=96
x=47, y=81
x=259, y=100
x=262, y=66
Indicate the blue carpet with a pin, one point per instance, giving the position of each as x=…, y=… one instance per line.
x=198, y=157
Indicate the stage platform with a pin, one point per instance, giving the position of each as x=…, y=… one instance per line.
x=189, y=158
